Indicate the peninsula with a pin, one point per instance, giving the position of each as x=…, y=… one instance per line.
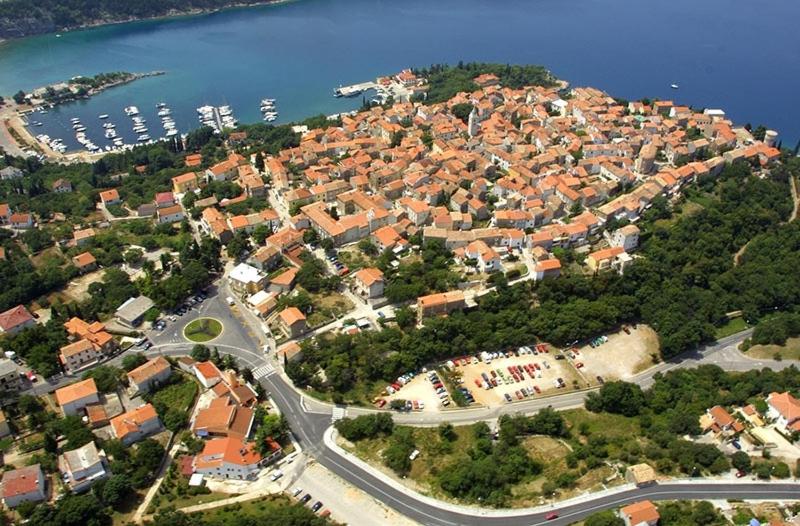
x=21, y=18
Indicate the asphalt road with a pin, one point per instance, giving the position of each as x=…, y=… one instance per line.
x=309, y=421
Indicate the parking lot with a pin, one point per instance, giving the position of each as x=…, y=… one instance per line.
x=530, y=371
x=518, y=375
x=621, y=356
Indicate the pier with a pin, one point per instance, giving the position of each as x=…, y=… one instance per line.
x=354, y=89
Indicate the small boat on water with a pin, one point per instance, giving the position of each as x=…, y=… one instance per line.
x=109, y=125
x=143, y=138
x=103, y=116
x=172, y=132
x=131, y=111
x=674, y=86
x=74, y=120
x=161, y=105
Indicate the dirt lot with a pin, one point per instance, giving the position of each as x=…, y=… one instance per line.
x=78, y=288
x=621, y=357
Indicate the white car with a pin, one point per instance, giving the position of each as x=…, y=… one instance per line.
x=276, y=475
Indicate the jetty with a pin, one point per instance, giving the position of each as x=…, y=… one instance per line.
x=354, y=89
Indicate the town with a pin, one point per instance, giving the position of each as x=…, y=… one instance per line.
x=187, y=328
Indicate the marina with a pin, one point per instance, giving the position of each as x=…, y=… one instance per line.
x=354, y=90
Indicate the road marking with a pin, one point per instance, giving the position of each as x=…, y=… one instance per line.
x=337, y=413
x=263, y=371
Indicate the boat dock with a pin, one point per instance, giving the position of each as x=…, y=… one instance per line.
x=354, y=89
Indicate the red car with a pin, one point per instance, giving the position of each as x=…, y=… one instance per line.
x=477, y=382
x=550, y=516
x=381, y=403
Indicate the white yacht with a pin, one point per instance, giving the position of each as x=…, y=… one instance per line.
x=103, y=116
x=131, y=111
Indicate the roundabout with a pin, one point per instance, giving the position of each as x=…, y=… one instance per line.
x=202, y=330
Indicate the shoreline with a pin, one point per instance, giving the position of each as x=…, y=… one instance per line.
x=168, y=16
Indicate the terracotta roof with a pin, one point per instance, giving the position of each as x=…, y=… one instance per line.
x=21, y=481
x=76, y=391
x=130, y=422
x=216, y=418
x=14, y=317
x=232, y=450
x=291, y=315
x=84, y=260
x=369, y=275
x=148, y=370
x=640, y=512
x=109, y=195
x=208, y=370
x=548, y=264
x=285, y=278
x=785, y=404
x=76, y=348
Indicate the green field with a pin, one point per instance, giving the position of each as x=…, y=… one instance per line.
x=178, y=395
x=202, y=330
x=732, y=327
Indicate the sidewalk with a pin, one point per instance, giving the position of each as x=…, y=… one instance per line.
x=140, y=511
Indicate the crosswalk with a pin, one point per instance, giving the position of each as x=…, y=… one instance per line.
x=337, y=413
x=263, y=371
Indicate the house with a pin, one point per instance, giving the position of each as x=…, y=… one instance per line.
x=169, y=214
x=110, y=197
x=640, y=474
x=184, y=183
x=292, y=322
x=62, y=186
x=9, y=376
x=136, y=424
x=150, y=374
x=15, y=320
x=718, y=420
x=245, y=279
x=283, y=282
x=440, y=304
x=488, y=260
x=266, y=258
x=228, y=458
x=94, y=332
x=78, y=355
x=84, y=262
x=5, y=214
x=26, y=484
x=548, y=268
x=368, y=282
x=207, y=373
x=21, y=221
x=81, y=237
x=642, y=513
x=165, y=199
x=290, y=352
x=73, y=398
x=82, y=467
x=785, y=410
x=606, y=259
x=223, y=418
x=131, y=313
x=626, y=237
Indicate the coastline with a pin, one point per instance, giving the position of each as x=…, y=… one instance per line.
x=168, y=16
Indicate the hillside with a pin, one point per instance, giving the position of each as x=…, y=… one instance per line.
x=20, y=18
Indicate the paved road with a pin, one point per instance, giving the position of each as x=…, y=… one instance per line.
x=310, y=420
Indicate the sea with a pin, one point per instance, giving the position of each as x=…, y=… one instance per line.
x=740, y=56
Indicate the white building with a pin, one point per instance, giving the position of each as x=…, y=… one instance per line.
x=228, y=458
x=83, y=467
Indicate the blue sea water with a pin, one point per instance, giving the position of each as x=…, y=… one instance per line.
x=741, y=56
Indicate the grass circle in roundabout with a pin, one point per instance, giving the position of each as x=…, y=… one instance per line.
x=202, y=330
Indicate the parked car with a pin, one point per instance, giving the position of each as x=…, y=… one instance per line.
x=551, y=516
x=276, y=475
x=306, y=498
x=508, y=397
x=316, y=507
x=297, y=491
